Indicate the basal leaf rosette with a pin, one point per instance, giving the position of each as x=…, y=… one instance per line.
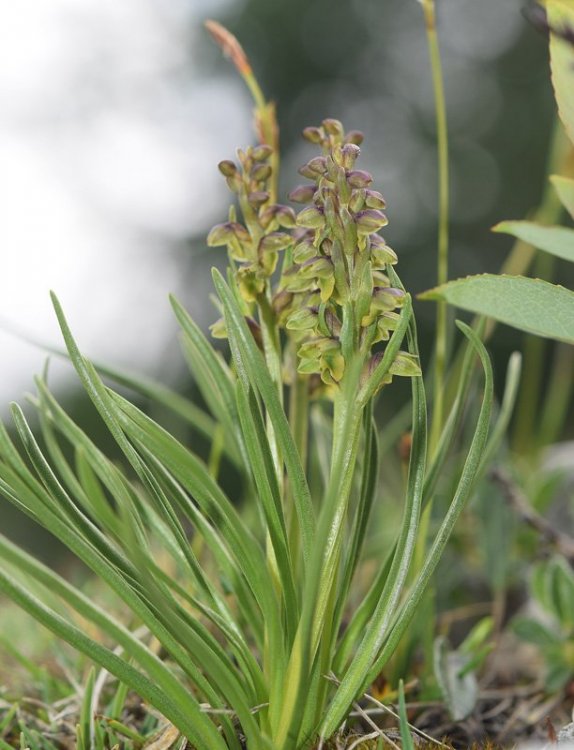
x=335, y=297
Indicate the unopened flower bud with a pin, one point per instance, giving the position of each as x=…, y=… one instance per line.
x=314, y=168
x=387, y=298
x=302, y=194
x=312, y=217
x=358, y=178
x=302, y=320
x=285, y=217
x=274, y=242
x=281, y=301
x=370, y=220
x=349, y=154
x=354, y=136
x=304, y=251
x=261, y=153
x=313, y=135
x=333, y=127
x=223, y=234
x=261, y=172
x=258, y=198
x=373, y=199
x=227, y=168
x=382, y=254
x=357, y=200
x=316, y=268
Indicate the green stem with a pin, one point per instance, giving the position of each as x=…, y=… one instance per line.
x=440, y=362
x=299, y=422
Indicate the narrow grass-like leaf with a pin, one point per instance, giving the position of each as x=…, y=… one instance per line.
x=181, y=710
x=406, y=736
x=86, y=730
x=257, y=376
x=213, y=376
x=261, y=462
x=377, y=630
x=530, y=305
x=558, y=241
x=463, y=490
x=370, y=470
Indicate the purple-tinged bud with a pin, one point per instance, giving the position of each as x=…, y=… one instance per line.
x=358, y=178
x=302, y=194
x=227, y=168
x=312, y=218
x=314, y=168
x=303, y=251
x=349, y=154
x=354, y=136
x=333, y=322
x=258, y=198
x=370, y=220
x=261, y=172
x=317, y=267
x=285, y=217
x=382, y=255
x=387, y=298
x=357, y=200
x=281, y=301
x=306, y=171
x=261, y=153
x=318, y=164
x=274, y=242
x=223, y=234
x=373, y=199
x=313, y=135
x=333, y=127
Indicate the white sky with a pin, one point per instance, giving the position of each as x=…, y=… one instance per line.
x=110, y=133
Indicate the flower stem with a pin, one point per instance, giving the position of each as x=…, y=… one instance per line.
x=440, y=362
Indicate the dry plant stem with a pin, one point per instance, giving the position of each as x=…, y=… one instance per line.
x=264, y=112
x=443, y=189
x=516, y=500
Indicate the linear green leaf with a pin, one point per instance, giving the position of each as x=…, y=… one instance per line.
x=558, y=241
x=530, y=305
x=182, y=710
x=464, y=488
x=259, y=378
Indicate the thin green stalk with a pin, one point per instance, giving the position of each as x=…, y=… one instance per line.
x=299, y=422
x=440, y=362
x=558, y=395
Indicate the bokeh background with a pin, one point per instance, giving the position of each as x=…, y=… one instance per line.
x=113, y=116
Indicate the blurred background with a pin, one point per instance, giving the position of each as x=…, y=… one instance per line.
x=115, y=114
